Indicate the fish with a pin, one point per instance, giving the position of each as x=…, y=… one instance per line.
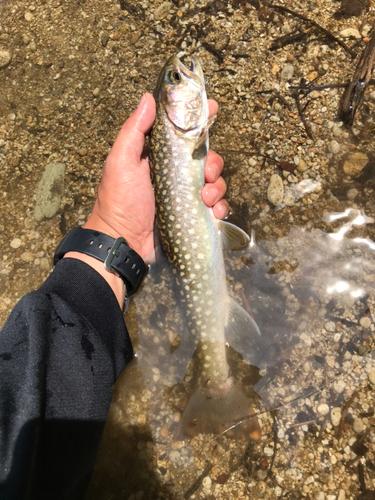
x=193, y=241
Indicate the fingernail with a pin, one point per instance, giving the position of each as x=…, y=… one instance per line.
x=142, y=101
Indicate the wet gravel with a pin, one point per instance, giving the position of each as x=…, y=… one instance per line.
x=70, y=74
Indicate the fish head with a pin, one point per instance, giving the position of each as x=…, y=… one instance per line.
x=181, y=93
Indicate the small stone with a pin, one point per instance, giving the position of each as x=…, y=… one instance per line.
x=323, y=409
x=365, y=322
x=29, y=17
x=2, y=143
x=351, y=33
x=355, y=163
x=162, y=11
x=16, y=243
x=314, y=94
x=320, y=495
x=164, y=431
x=174, y=456
x=207, y=483
x=45, y=264
x=5, y=58
x=358, y=426
x=96, y=92
x=371, y=377
x=342, y=495
x=287, y=72
x=82, y=152
x=275, y=191
x=336, y=416
x=32, y=46
x=104, y=38
x=352, y=194
x=301, y=167
x=330, y=326
x=26, y=39
x=334, y=147
x=336, y=130
x=339, y=386
x=27, y=257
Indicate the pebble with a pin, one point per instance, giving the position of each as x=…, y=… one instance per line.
x=5, y=58
x=320, y=495
x=2, y=143
x=330, y=326
x=82, y=152
x=287, y=72
x=352, y=194
x=358, y=426
x=339, y=386
x=16, y=243
x=49, y=191
x=174, y=456
x=275, y=191
x=301, y=167
x=351, y=33
x=336, y=131
x=336, y=416
x=207, y=483
x=26, y=39
x=27, y=256
x=96, y=92
x=162, y=11
x=323, y=409
x=29, y=17
x=334, y=147
x=342, y=495
x=355, y=163
x=104, y=38
x=371, y=377
x=365, y=322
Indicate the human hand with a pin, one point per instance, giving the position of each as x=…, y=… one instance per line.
x=125, y=205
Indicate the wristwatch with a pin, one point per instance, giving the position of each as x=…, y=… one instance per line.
x=117, y=255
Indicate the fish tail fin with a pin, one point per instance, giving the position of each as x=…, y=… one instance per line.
x=215, y=414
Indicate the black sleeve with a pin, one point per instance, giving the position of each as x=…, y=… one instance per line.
x=61, y=351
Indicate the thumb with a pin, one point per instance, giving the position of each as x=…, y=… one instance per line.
x=131, y=138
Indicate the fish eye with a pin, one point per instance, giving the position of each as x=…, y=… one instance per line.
x=174, y=77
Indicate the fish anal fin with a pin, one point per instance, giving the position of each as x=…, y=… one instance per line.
x=239, y=322
x=218, y=414
x=232, y=237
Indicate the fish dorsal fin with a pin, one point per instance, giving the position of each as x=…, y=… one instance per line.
x=232, y=237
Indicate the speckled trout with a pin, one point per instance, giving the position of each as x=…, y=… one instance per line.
x=193, y=240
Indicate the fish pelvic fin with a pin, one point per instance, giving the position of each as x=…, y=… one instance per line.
x=232, y=237
x=227, y=412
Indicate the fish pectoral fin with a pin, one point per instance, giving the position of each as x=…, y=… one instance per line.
x=204, y=135
x=239, y=321
x=232, y=237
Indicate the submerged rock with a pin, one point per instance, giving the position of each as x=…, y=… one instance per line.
x=50, y=191
x=355, y=163
x=275, y=191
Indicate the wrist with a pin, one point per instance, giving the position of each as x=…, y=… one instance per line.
x=115, y=282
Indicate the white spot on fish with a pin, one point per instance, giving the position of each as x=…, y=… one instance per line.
x=200, y=256
x=187, y=256
x=197, y=266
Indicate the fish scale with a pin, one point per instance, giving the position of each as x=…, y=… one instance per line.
x=191, y=238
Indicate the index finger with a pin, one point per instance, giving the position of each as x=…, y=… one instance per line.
x=212, y=108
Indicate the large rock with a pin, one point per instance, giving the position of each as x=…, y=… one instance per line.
x=50, y=191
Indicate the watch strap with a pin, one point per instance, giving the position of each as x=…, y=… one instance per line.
x=116, y=254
